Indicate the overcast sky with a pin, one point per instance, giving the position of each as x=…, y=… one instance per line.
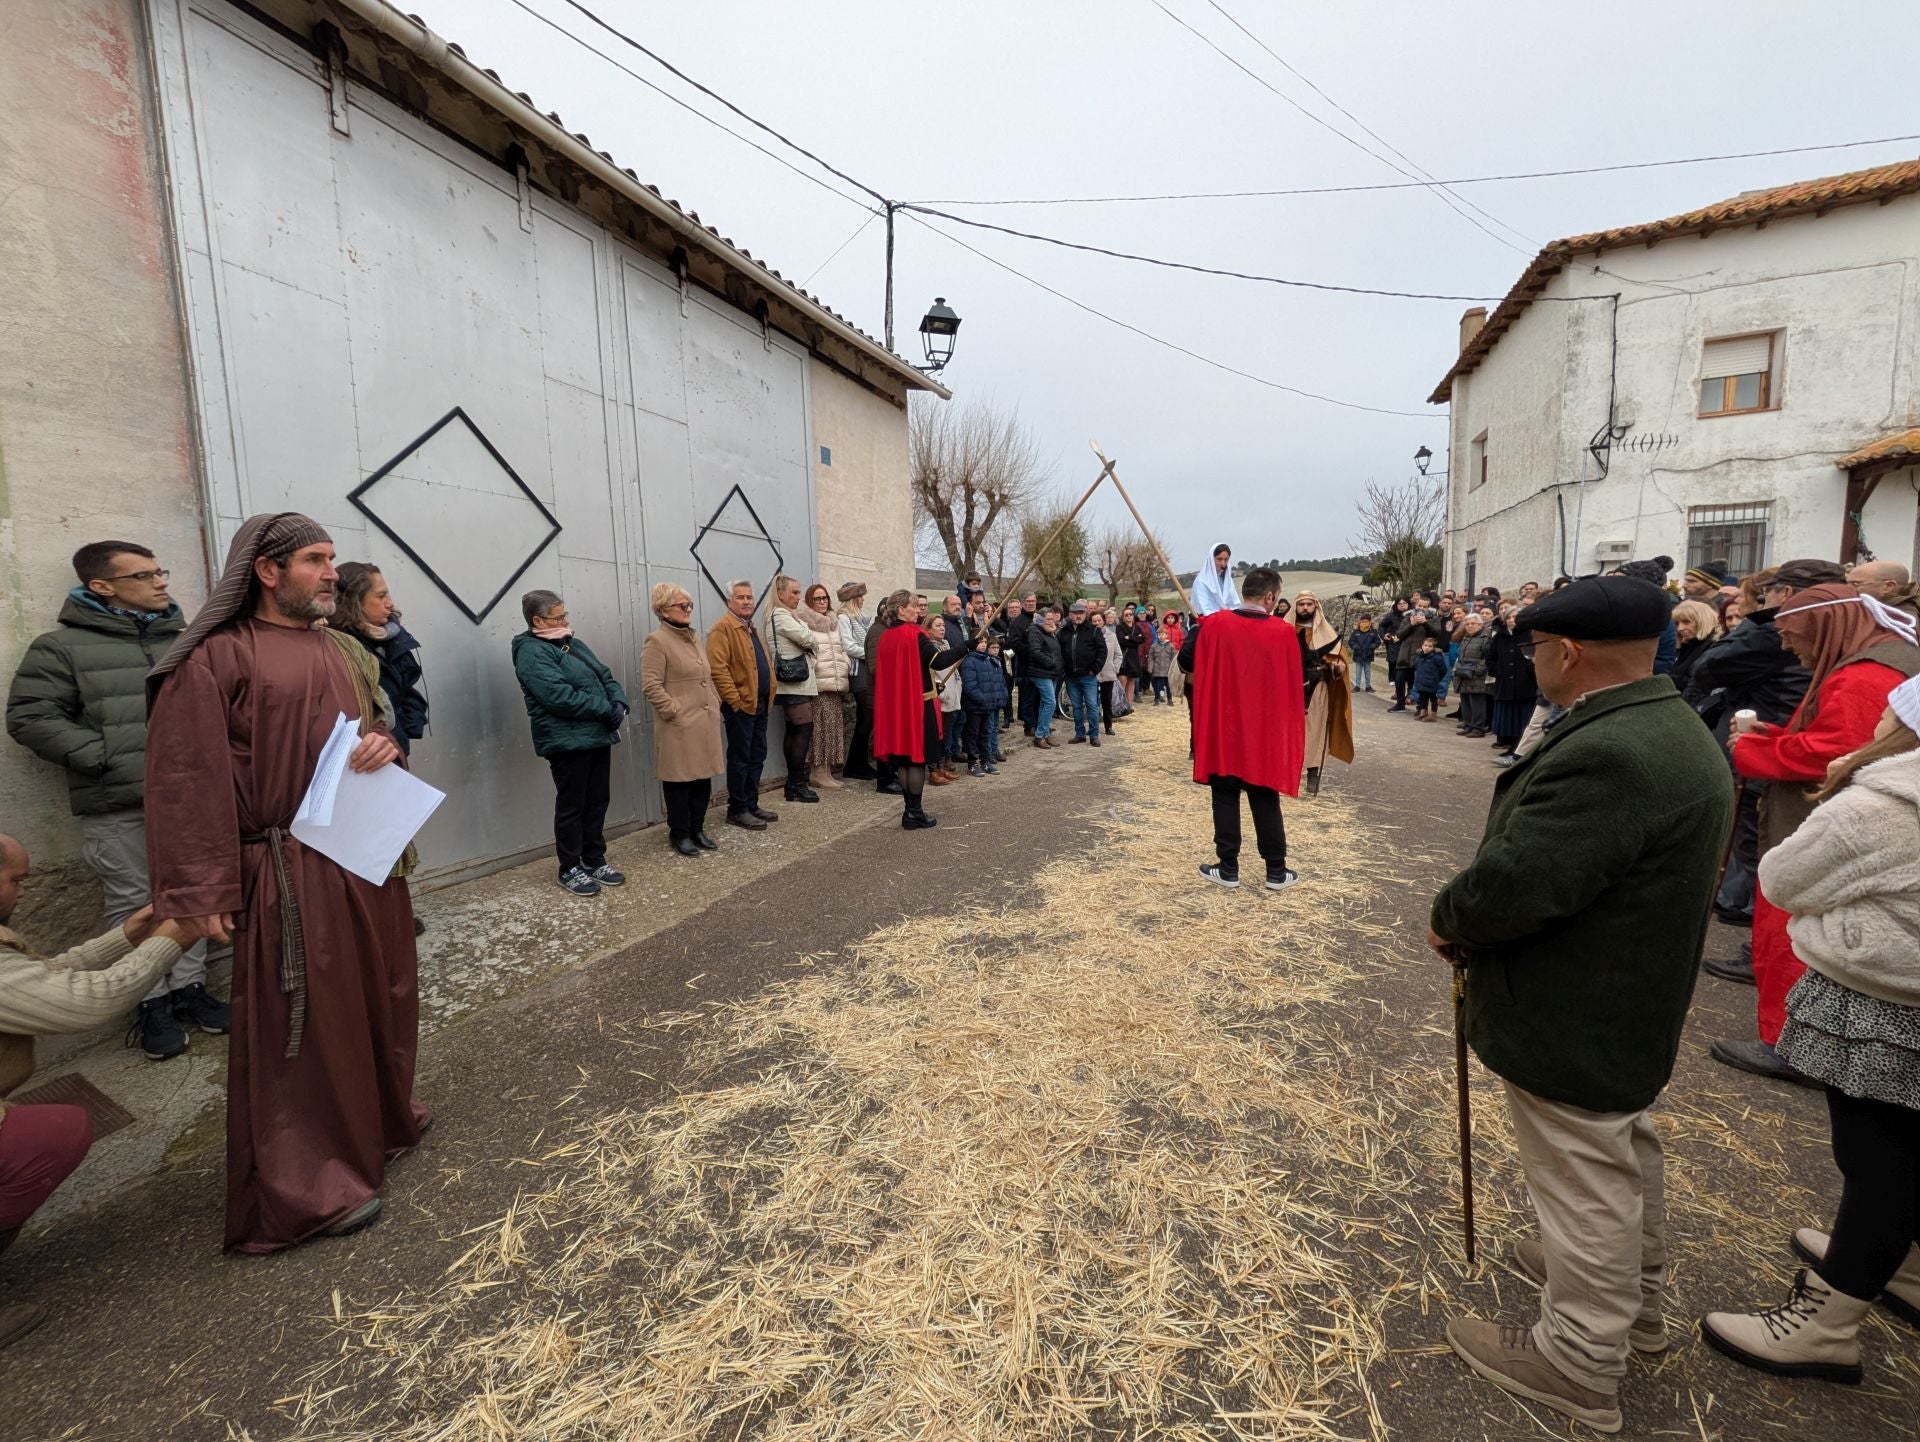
x=989, y=99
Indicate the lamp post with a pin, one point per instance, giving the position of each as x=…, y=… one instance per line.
x=938, y=327
x=1423, y=458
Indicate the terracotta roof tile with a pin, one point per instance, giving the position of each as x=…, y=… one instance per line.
x=1804, y=197
x=1902, y=445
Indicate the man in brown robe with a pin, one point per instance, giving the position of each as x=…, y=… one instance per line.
x=1323, y=661
x=325, y=1001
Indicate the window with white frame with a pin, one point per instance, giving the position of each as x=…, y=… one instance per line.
x=1477, y=462
x=1473, y=573
x=1736, y=535
x=1737, y=373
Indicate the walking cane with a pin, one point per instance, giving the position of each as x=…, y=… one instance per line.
x=1466, y=1105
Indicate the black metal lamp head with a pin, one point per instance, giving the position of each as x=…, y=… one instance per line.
x=1422, y=458
x=937, y=330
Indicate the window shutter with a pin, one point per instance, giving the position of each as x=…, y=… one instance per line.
x=1742, y=356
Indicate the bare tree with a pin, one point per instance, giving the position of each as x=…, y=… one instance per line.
x=1141, y=574
x=1400, y=528
x=973, y=470
x=1112, y=549
x=1057, y=572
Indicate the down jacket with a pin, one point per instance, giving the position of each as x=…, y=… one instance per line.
x=983, y=680
x=1850, y=879
x=571, y=697
x=832, y=668
x=79, y=700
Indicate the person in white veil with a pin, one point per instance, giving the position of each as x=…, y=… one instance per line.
x=1213, y=583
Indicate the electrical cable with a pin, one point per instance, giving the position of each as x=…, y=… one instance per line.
x=1185, y=265
x=860, y=231
x=1323, y=123
x=1421, y=185
x=674, y=70
x=690, y=109
x=1161, y=340
x=1418, y=168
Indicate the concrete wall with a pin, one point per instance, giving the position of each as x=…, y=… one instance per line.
x=1843, y=290
x=94, y=434
x=865, y=511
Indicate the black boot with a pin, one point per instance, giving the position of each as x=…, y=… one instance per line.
x=915, y=819
x=1313, y=781
x=684, y=845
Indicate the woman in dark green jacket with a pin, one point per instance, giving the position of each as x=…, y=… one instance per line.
x=577, y=709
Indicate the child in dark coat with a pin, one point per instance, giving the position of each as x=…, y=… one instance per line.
x=1361, y=644
x=1429, y=679
x=983, y=691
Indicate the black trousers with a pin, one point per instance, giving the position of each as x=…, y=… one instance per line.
x=977, y=738
x=1106, y=703
x=687, y=803
x=746, y=756
x=859, y=760
x=1269, y=831
x=1402, y=684
x=1743, y=862
x=1876, y=1145
x=581, y=789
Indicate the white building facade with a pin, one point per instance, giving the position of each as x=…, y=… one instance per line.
x=1737, y=385
x=302, y=255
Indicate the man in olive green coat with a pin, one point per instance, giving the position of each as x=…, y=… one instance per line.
x=1580, y=922
x=79, y=700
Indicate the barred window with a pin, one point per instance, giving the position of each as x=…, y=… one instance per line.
x=1734, y=534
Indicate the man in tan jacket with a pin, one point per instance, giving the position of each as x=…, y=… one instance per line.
x=90, y=985
x=743, y=676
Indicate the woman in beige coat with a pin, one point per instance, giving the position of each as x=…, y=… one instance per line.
x=832, y=673
x=677, y=680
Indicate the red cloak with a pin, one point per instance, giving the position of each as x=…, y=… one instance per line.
x=1249, y=708
x=900, y=697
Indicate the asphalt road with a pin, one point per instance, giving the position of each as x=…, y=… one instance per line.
x=157, y=1335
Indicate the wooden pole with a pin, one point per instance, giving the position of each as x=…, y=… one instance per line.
x=1466, y=1105
x=1046, y=545
x=1165, y=564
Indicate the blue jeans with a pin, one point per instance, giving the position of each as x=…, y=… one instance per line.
x=1083, y=694
x=1363, y=675
x=1162, y=690
x=1046, y=699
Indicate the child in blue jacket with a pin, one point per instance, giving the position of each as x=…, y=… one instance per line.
x=1362, y=642
x=983, y=692
x=1429, y=679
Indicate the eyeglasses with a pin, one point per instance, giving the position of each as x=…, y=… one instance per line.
x=154, y=575
x=679, y=605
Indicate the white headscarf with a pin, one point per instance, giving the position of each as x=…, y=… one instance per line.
x=1211, y=590
x=1905, y=701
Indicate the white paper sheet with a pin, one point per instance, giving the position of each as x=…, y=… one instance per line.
x=362, y=821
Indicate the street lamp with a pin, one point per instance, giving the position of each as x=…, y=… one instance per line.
x=937, y=330
x=1422, y=458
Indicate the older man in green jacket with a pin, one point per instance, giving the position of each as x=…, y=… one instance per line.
x=1580, y=922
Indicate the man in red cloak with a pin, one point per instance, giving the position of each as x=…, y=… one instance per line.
x=325, y=995
x=1249, y=724
x=906, y=710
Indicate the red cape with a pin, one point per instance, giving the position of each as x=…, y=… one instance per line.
x=899, y=696
x=1249, y=706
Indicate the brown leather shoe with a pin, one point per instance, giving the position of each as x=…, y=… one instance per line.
x=747, y=821
x=939, y=778
x=18, y=1320
x=1648, y=1336
x=1506, y=1357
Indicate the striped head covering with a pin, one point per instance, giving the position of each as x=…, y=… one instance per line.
x=269, y=536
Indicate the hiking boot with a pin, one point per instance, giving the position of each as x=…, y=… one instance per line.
x=1647, y=1336
x=1754, y=1055
x=607, y=876
x=746, y=821
x=1734, y=968
x=576, y=880
x=1814, y=1333
x=1506, y=1357
x=193, y=1005
x=357, y=1220
x=156, y=1031
x=18, y=1320
x=1221, y=876
x=1902, y=1297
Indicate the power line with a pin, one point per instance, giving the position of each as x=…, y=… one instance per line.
x=674, y=70
x=858, y=232
x=690, y=109
x=1185, y=265
x=1420, y=169
x=1325, y=124
x=1423, y=185
x=1161, y=340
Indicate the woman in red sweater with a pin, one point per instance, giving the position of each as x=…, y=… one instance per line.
x=1857, y=651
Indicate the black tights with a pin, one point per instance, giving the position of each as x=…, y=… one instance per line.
x=797, y=742
x=913, y=780
x=1876, y=1145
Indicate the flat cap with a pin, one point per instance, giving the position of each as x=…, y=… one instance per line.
x=1804, y=573
x=1601, y=608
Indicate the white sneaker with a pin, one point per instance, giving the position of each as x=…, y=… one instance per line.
x=1221, y=878
x=1902, y=1297
x=1286, y=878
x=1814, y=1333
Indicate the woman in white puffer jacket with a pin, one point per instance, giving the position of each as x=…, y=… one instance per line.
x=1849, y=880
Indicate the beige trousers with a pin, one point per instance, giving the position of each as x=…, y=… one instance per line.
x=1598, y=1183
